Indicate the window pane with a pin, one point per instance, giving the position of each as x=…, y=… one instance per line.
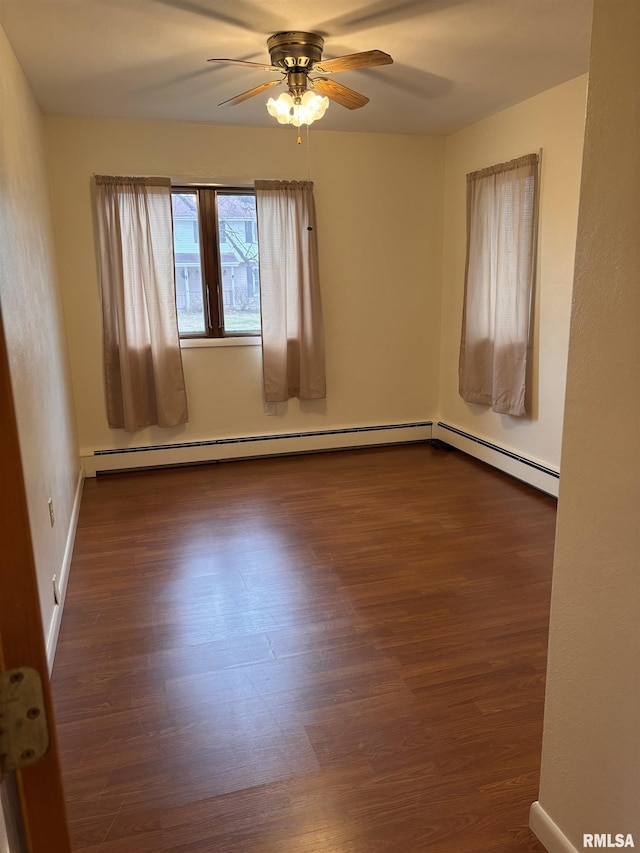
x=239, y=263
x=186, y=249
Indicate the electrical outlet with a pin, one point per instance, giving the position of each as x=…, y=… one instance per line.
x=52, y=517
x=271, y=409
x=56, y=590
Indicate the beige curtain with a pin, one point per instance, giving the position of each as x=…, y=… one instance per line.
x=142, y=363
x=501, y=212
x=292, y=330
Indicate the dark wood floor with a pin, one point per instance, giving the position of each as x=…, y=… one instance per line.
x=339, y=653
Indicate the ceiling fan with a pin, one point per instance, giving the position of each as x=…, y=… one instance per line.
x=296, y=55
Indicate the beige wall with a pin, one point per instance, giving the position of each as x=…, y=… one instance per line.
x=379, y=203
x=553, y=121
x=33, y=324
x=391, y=268
x=590, y=780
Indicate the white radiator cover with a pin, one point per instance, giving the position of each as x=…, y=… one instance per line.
x=246, y=447
x=528, y=470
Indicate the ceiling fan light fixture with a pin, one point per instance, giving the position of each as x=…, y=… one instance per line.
x=306, y=109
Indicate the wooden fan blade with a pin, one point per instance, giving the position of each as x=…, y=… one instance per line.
x=259, y=65
x=250, y=93
x=339, y=93
x=366, y=59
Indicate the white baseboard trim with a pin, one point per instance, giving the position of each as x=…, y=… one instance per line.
x=528, y=470
x=547, y=832
x=63, y=574
x=246, y=447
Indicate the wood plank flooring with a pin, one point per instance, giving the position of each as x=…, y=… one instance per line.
x=337, y=653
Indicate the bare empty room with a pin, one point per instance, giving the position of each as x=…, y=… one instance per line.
x=320, y=414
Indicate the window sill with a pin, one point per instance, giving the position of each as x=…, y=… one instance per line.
x=206, y=343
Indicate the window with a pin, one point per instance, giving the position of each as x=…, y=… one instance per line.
x=216, y=262
x=501, y=229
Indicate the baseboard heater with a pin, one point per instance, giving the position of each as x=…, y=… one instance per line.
x=219, y=449
x=525, y=469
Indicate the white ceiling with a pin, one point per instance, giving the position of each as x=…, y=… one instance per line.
x=455, y=61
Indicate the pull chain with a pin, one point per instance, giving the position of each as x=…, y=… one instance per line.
x=299, y=142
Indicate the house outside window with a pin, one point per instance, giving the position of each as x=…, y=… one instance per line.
x=216, y=262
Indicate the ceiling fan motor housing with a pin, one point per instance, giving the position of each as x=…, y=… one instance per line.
x=298, y=54
x=295, y=50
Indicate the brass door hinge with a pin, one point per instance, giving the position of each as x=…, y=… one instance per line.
x=24, y=735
